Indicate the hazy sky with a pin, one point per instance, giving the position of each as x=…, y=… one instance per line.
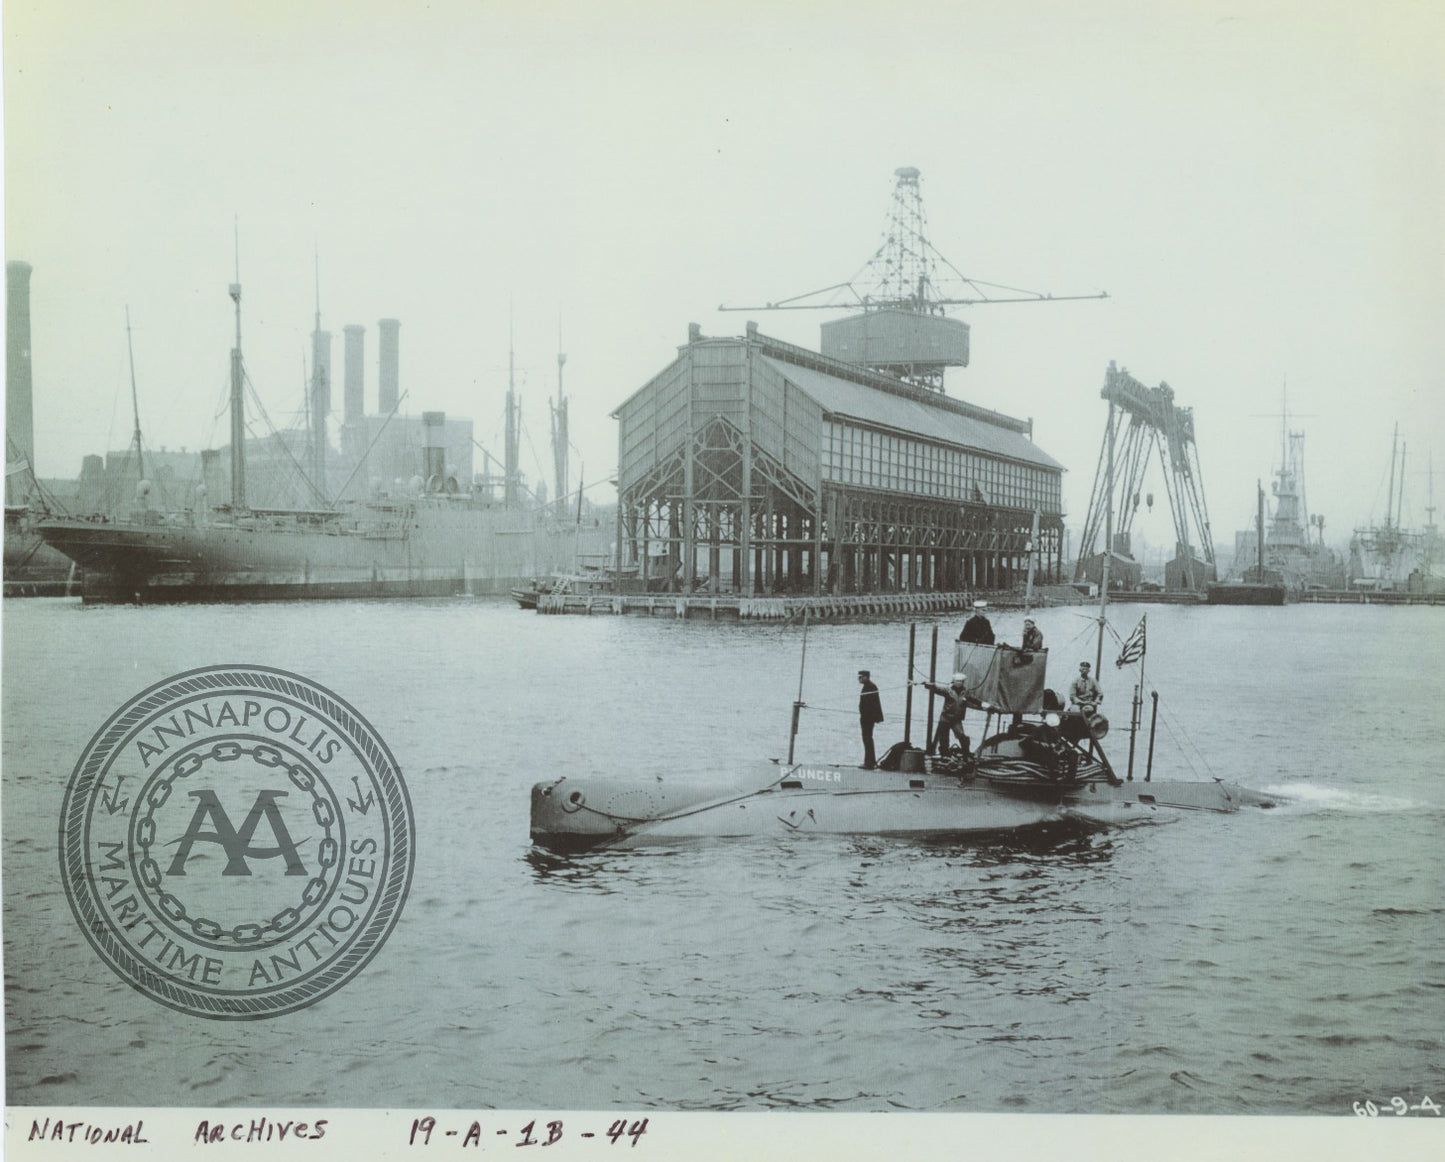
x=1257, y=185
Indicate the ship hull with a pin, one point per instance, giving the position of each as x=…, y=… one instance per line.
x=33, y=568
x=427, y=551
x=1244, y=593
x=572, y=815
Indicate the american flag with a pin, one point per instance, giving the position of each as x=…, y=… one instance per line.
x=1133, y=649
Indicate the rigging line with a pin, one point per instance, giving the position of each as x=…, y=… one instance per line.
x=281, y=440
x=536, y=460
x=360, y=463
x=1090, y=627
x=1183, y=739
x=1179, y=747
x=48, y=501
x=680, y=814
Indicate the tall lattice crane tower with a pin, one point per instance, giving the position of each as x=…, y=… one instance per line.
x=905, y=290
x=904, y=268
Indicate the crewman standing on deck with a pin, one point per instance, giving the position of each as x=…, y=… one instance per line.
x=977, y=628
x=870, y=714
x=950, y=718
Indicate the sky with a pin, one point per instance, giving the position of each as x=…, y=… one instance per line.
x=1259, y=187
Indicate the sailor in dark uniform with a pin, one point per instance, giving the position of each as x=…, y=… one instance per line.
x=977, y=629
x=1033, y=639
x=870, y=714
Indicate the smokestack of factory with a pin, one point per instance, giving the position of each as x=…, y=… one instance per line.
x=355, y=389
x=390, y=330
x=19, y=413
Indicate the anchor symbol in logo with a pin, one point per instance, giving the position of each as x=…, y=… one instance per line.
x=367, y=798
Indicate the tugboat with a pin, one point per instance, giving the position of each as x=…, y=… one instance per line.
x=1038, y=765
x=585, y=581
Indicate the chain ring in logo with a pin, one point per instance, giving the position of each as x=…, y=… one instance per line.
x=237, y=842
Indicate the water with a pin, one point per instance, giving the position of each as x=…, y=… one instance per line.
x=1287, y=962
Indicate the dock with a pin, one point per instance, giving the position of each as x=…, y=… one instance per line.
x=736, y=607
x=1306, y=597
x=1367, y=597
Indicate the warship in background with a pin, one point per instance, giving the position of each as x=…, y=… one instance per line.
x=1389, y=558
x=1287, y=553
x=1429, y=573
x=428, y=535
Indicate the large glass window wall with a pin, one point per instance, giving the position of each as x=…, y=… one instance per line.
x=870, y=459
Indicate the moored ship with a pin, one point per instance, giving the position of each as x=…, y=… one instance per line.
x=1285, y=552
x=426, y=546
x=433, y=537
x=1389, y=557
x=33, y=568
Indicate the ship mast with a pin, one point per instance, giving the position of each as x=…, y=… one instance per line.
x=140, y=468
x=238, y=403
x=1259, y=533
x=510, y=468
x=1390, y=496
x=320, y=396
x=1430, y=494
x=1400, y=500
x=559, y=434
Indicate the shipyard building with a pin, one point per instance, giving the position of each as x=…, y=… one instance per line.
x=756, y=467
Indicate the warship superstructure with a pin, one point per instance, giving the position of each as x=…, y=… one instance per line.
x=1295, y=555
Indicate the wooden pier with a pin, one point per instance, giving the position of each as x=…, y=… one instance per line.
x=735, y=607
x=1367, y=597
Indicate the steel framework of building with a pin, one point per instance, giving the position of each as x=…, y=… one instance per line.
x=1142, y=419
x=726, y=481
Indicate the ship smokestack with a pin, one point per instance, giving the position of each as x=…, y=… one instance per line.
x=389, y=331
x=355, y=389
x=435, y=464
x=19, y=411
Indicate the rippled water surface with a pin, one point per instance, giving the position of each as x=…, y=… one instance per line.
x=1288, y=961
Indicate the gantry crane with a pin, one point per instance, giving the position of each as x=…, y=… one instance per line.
x=1142, y=419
